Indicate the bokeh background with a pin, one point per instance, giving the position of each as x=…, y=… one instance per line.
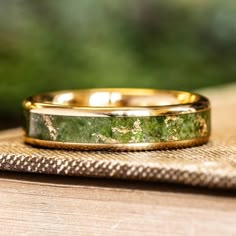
x=55, y=44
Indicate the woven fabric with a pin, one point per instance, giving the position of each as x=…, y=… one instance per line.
x=211, y=165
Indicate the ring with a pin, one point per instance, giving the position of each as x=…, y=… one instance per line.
x=117, y=119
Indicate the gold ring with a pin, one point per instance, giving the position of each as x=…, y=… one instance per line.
x=117, y=119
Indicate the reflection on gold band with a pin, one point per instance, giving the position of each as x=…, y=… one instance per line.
x=118, y=147
x=121, y=102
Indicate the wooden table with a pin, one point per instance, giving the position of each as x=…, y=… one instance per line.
x=33, y=204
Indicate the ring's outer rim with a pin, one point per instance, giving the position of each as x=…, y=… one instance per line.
x=202, y=104
x=118, y=146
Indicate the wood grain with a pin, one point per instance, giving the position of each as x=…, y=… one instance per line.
x=55, y=205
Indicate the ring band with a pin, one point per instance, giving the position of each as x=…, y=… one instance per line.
x=117, y=119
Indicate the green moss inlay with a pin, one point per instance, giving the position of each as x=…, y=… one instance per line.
x=119, y=129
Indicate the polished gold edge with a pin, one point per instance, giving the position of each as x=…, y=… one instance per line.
x=117, y=147
x=202, y=104
x=126, y=111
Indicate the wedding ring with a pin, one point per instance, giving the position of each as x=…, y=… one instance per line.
x=119, y=119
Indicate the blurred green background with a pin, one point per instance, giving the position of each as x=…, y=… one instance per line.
x=53, y=44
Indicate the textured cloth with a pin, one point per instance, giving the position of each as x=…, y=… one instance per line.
x=211, y=165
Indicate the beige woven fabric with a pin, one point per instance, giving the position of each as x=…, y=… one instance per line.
x=211, y=165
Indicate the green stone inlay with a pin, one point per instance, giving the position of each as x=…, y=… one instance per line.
x=118, y=129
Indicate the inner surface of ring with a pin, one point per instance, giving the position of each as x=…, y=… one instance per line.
x=118, y=98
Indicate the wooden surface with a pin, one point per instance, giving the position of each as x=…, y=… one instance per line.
x=54, y=205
